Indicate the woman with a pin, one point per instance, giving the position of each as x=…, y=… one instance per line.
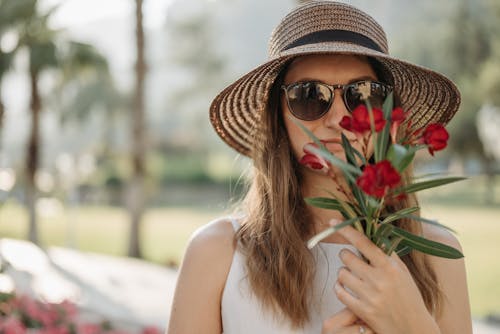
x=254, y=274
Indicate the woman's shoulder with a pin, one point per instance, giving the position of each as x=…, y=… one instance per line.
x=215, y=237
x=202, y=276
x=439, y=234
x=452, y=278
x=212, y=246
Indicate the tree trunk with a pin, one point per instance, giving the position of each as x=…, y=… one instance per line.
x=489, y=194
x=33, y=157
x=2, y=107
x=136, y=186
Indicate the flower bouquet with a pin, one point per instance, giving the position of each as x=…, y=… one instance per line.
x=374, y=180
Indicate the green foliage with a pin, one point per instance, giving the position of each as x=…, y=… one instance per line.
x=201, y=68
x=85, y=85
x=462, y=41
x=181, y=167
x=14, y=11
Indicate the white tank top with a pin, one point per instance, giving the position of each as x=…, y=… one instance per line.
x=242, y=313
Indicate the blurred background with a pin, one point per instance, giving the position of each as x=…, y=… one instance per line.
x=106, y=150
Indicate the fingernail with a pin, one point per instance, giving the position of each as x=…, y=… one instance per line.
x=342, y=253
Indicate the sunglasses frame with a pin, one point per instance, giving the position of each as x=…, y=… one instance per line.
x=385, y=87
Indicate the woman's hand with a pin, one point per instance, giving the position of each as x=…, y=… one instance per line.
x=385, y=296
x=345, y=322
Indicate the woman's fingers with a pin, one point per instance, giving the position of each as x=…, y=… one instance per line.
x=350, y=301
x=355, y=264
x=339, y=320
x=350, y=281
x=345, y=322
x=352, y=329
x=369, y=250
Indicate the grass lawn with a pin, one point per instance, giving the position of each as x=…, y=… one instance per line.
x=167, y=230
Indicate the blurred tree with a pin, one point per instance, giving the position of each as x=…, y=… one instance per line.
x=200, y=70
x=469, y=47
x=85, y=85
x=39, y=40
x=457, y=41
x=84, y=89
x=12, y=14
x=70, y=58
x=136, y=186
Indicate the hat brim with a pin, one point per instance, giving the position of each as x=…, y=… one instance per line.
x=235, y=113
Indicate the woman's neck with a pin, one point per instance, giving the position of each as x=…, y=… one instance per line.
x=317, y=185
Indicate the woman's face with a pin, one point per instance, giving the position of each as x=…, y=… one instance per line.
x=330, y=69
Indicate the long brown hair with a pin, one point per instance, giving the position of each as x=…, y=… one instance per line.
x=277, y=223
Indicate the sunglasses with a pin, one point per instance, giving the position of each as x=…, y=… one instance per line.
x=311, y=100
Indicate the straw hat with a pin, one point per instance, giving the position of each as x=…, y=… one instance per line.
x=328, y=27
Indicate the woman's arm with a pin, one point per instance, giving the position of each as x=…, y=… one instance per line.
x=456, y=316
x=197, y=301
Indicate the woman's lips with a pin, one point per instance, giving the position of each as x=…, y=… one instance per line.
x=335, y=144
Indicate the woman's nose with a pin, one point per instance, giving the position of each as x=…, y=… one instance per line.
x=337, y=110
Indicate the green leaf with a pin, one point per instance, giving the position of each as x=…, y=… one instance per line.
x=400, y=156
x=414, y=187
x=388, y=106
x=392, y=246
x=348, y=149
x=426, y=246
x=383, y=136
x=361, y=199
x=405, y=162
x=324, y=203
x=383, y=231
x=402, y=250
x=320, y=236
x=360, y=156
x=403, y=213
x=378, y=157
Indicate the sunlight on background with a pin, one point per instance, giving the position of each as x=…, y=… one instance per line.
x=78, y=12
x=194, y=48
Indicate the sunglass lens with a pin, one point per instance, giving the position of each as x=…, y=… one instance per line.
x=353, y=97
x=309, y=100
x=378, y=95
x=357, y=94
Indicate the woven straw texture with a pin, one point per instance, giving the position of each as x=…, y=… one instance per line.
x=236, y=112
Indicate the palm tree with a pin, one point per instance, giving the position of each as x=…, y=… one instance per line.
x=12, y=14
x=38, y=39
x=72, y=59
x=136, y=186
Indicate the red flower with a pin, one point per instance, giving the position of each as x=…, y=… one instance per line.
x=11, y=325
x=359, y=122
x=150, y=330
x=311, y=159
x=89, y=328
x=376, y=179
x=397, y=117
x=435, y=137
